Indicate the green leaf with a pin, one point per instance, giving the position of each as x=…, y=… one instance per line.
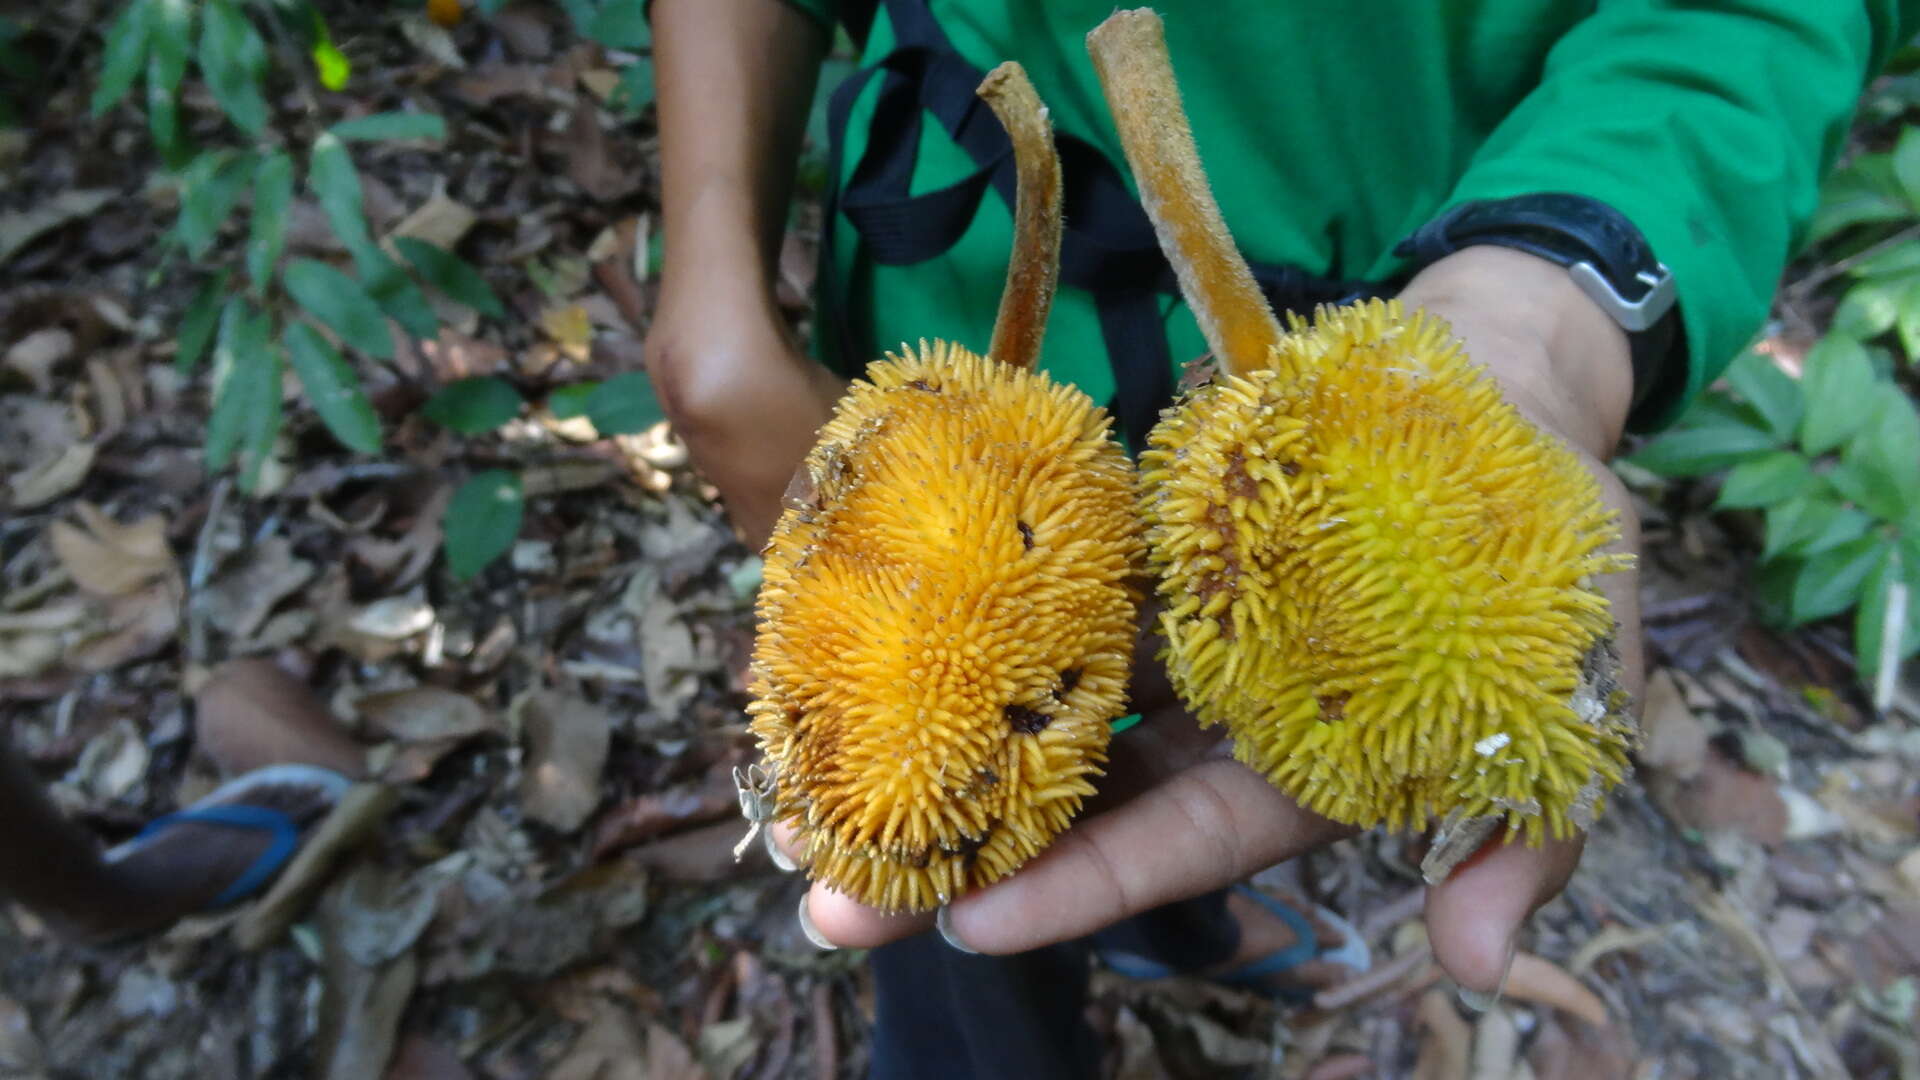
x=1810, y=524
x=624, y=405
x=1832, y=581
x=341, y=303
x=171, y=43
x=1883, y=459
x=622, y=24
x=333, y=388
x=1897, y=261
x=1908, y=323
x=451, y=275
x=474, y=406
x=329, y=63
x=1838, y=378
x=334, y=181
x=197, y=325
x=1906, y=165
x=1773, y=393
x=1765, y=481
x=392, y=125
x=1697, y=451
x=208, y=190
x=1870, y=307
x=1865, y=192
x=233, y=61
x=1870, y=622
x=634, y=92
x=272, y=193
x=570, y=401
x=483, y=520
x=396, y=293
x=246, y=386
x=126, y=54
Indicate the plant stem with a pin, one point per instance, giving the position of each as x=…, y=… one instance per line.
x=1130, y=54
x=1814, y=280
x=1034, y=269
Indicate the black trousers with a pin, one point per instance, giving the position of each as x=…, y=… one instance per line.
x=941, y=1014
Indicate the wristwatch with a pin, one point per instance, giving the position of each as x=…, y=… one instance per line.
x=1604, y=254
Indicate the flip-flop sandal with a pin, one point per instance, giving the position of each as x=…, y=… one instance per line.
x=1253, y=974
x=225, y=805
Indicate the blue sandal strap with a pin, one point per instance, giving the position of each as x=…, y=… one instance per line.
x=286, y=837
x=1305, y=947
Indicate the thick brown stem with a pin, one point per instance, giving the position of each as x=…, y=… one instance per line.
x=1034, y=269
x=1130, y=54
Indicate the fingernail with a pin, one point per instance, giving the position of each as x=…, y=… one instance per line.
x=781, y=860
x=943, y=922
x=1479, y=1002
x=813, y=932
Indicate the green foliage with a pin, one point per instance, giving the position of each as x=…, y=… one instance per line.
x=1832, y=460
x=1869, y=223
x=482, y=520
x=474, y=406
x=261, y=312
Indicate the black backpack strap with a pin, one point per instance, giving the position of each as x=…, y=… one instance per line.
x=1108, y=245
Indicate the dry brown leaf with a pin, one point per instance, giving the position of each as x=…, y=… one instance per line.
x=425, y=714
x=239, y=601
x=1676, y=738
x=571, y=328
x=1540, y=981
x=441, y=221
x=53, y=477
x=421, y=1058
x=1447, y=1042
x=594, y=162
x=455, y=355
x=1909, y=870
x=566, y=750
x=17, y=230
x=35, y=356
x=609, y=1049
x=131, y=626
x=525, y=30
x=601, y=82
x=107, y=558
x=1612, y=939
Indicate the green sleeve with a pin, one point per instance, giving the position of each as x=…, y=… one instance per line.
x=823, y=11
x=1709, y=125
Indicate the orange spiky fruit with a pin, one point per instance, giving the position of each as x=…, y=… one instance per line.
x=1376, y=573
x=947, y=619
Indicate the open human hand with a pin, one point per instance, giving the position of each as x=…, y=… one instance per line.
x=1176, y=818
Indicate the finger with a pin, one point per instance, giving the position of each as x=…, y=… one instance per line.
x=1211, y=824
x=849, y=924
x=1474, y=917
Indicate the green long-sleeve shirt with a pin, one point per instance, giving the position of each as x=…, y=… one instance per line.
x=1331, y=131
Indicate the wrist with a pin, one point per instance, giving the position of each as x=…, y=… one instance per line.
x=1560, y=358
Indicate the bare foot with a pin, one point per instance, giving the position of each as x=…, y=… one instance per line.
x=185, y=867
x=1262, y=934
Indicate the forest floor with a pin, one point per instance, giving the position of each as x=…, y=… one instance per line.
x=545, y=886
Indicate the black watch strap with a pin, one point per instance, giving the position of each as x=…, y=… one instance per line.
x=1605, y=255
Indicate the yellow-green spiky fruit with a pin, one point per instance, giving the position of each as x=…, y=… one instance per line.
x=946, y=626
x=1379, y=576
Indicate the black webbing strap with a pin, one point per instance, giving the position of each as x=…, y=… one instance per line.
x=1108, y=248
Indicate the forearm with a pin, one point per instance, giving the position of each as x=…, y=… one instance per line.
x=734, y=81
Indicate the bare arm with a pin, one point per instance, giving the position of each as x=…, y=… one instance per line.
x=734, y=78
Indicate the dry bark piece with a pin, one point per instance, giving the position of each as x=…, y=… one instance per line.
x=1377, y=574
x=946, y=618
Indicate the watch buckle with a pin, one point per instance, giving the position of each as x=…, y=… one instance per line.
x=1633, y=316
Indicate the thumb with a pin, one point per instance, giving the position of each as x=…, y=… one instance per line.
x=1474, y=917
